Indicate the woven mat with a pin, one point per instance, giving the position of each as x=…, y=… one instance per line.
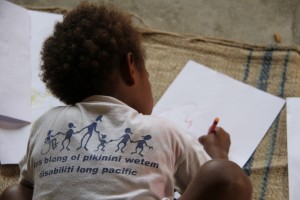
x=275, y=69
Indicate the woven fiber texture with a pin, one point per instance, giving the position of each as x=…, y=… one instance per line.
x=274, y=69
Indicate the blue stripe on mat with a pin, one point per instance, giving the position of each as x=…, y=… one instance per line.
x=264, y=73
x=262, y=84
x=273, y=134
x=270, y=153
x=283, y=75
x=247, y=68
x=248, y=166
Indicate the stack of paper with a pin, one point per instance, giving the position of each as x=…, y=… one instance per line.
x=23, y=95
x=14, y=63
x=293, y=139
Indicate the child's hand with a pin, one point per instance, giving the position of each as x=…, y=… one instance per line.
x=216, y=144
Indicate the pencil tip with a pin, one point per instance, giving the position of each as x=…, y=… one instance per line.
x=217, y=119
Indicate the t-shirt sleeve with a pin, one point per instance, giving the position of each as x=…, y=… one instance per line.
x=192, y=157
x=25, y=165
x=25, y=175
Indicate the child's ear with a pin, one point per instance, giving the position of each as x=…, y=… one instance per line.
x=129, y=70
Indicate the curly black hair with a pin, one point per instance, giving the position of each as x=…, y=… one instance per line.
x=85, y=49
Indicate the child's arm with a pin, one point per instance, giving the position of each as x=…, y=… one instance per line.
x=218, y=178
x=17, y=191
x=216, y=144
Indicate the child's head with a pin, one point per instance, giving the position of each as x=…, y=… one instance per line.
x=88, y=51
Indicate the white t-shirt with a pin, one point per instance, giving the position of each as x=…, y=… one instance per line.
x=103, y=149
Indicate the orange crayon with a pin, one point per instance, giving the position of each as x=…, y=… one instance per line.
x=214, y=125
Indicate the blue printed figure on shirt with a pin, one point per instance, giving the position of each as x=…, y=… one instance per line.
x=68, y=135
x=49, y=143
x=140, y=145
x=48, y=138
x=103, y=142
x=90, y=130
x=123, y=140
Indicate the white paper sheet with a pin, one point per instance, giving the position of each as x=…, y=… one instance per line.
x=293, y=141
x=42, y=25
x=14, y=136
x=199, y=94
x=14, y=62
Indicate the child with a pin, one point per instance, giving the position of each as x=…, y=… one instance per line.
x=94, y=63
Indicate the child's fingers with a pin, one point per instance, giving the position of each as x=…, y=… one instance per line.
x=220, y=132
x=218, y=135
x=202, y=139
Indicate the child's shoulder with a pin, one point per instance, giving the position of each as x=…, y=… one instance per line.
x=49, y=114
x=165, y=125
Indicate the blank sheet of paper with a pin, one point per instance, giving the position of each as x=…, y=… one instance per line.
x=293, y=141
x=200, y=94
x=14, y=137
x=14, y=62
x=42, y=25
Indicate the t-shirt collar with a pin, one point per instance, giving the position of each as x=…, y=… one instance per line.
x=102, y=98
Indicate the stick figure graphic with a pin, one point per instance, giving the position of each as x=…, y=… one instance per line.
x=141, y=143
x=125, y=138
x=48, y=138
x=68, y=134
x=102, y=142
x=90, y=129
x=49, y=143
